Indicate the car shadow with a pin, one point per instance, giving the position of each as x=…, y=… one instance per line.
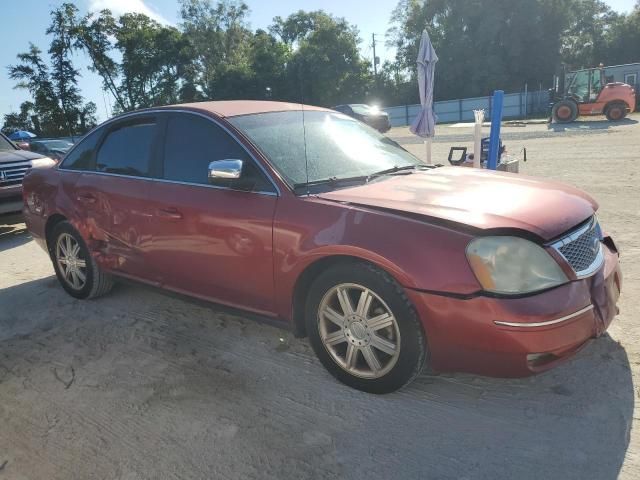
x=589, y=125
x=13, y=232
x=138, y=354
x=571, y=422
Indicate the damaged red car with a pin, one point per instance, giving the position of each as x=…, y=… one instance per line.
x=309, y=218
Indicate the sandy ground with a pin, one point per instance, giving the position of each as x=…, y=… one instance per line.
x=141, y=385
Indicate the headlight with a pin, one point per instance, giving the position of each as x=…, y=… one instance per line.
x=42, y=162
x=513, y=265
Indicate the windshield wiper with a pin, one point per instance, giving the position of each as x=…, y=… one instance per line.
x=392, y=170
x=331, y=181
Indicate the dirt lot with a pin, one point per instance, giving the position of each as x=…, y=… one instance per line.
x=140, y=385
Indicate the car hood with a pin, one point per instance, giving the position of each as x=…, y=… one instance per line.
x=477, y=198
x=7, y=156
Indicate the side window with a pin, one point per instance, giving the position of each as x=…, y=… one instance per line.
x=127, y=149
x=81, y=157
x=192, y=142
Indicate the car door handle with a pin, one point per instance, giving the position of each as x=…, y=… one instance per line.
x=170, y=213
x=86, y=198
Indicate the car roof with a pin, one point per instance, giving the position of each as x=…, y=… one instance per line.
x=234, y=108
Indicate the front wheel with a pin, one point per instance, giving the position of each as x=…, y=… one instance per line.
x=565, y=111
x=75, y=268
x=363, y=328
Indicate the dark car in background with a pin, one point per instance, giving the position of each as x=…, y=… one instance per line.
x=372, y=116
x=14, y=164
x=55, y=149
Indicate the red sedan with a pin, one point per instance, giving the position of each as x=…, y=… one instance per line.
x=312, y=219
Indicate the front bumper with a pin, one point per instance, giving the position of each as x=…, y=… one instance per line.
x=11, y=199
x=516, y=337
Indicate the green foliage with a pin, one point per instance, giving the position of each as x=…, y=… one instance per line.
x=220, y=38
x=310, y=56
x=57, y=108
x=624, y=40
x=326, y=67
x=489, y=44
x=19, y=120
x=155, y=60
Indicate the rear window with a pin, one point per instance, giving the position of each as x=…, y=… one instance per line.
x=127, y=150
x=364, y=109
x=82, y=156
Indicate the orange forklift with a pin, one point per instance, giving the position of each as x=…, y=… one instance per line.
x=589, y=93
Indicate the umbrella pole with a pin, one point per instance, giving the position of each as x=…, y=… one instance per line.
x=427, y=147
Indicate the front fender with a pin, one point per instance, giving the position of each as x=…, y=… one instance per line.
x=417, y=254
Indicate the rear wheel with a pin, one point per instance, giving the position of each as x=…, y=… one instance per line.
x=565, y=111
x=75, y=268
x=616, y=112
x=364, y=329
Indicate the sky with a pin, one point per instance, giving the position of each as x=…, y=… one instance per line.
x=25, y=21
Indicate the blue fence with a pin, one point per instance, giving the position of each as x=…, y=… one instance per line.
x=516, y=105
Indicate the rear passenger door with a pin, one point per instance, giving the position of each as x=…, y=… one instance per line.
x=112, y=196
x=213, y=242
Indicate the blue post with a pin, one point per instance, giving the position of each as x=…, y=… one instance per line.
x=494, y=136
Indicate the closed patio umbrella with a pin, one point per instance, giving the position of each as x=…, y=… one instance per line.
x=424, y=125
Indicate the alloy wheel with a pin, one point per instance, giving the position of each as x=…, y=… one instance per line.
x=359, y=330
x=70, y=262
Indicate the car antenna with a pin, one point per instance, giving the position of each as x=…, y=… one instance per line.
x=304, y=132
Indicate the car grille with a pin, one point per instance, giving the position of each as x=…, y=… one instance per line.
x=12, y=173
x=582, y=248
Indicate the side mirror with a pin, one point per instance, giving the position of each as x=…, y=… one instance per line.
x=229, y=169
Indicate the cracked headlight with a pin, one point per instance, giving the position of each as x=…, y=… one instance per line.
x=513, y=265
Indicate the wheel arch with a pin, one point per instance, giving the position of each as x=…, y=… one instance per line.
x=52, y=221
x=311, y=272
x=613, y=102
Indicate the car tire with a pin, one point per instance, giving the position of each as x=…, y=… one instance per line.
x=565, y=111
x=360, y=346
x=616, y=112
x=75, y=268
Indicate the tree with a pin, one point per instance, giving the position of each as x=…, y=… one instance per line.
x=32, y=74
x=154, y=58
x=624, y=39
x=585, y=41
x=155, y=66
x=92, y=34
x=482, y=44
x=268, y=60
x=325, y=66
x=21, y=120
x=57, y=107
x=220, y=40
x=77, y=117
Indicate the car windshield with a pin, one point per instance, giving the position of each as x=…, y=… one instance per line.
x=337, y=146
x=5, y=144
x=363, y=109
x=56, y=144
